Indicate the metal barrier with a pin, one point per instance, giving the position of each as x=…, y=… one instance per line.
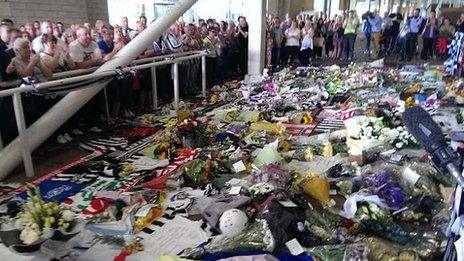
x=82, y=75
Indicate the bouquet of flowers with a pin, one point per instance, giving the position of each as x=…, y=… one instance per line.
x=365, y=128
x=191, y=127
x=403, y=138
x=40, y=219
x=261, y=191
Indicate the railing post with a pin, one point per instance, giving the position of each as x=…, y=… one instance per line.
x=23, y=139
x=203, y=76
x=175, y=76
x=107, y=107
x=1, y=142
x=154, y=88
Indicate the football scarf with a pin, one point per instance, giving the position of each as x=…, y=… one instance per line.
x=163, y=175
x=56, y=190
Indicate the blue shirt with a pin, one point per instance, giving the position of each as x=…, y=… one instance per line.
x=104, y=47
x=376, y=24
x=415, y=23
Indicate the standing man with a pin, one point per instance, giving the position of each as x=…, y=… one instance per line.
x=126, y=31
x=387, y=24
x=278, y=35
x=397, y=19
x=190, y=43
x=86, y=54
x=350, y=25
x=242, y=36
x=84, y=51
x=416, y=24
x=366, y=29
x=376, y=26
x=46, y=28
x=5, y=60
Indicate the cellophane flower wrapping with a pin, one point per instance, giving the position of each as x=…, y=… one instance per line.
x=256, y=237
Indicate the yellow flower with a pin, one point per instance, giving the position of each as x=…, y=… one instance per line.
x=280, y=128
x=214, y=98
x=307, y=118
x=410, y=101
x=328, y=149
x=308, y=154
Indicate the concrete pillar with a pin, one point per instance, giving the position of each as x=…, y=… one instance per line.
x=256, y=16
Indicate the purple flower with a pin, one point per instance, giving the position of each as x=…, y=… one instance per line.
x=386, y=187
x=393, y=196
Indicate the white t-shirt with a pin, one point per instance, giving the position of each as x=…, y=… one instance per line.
x=293, y=38
x=80, y=53
x=38, y=47
x=20, y=64
x=307, y=43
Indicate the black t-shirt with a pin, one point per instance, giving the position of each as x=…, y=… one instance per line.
x=242, y=41
x=5, y=59
x=460, y=27
x=396, y=22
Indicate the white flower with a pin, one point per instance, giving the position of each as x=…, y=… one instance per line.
x=68, y=215
x=29, y=235
x=65, y=226
x=374, y=207
x=19, y=223
x=399, y=145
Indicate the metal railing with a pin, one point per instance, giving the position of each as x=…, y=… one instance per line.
x=86, y=74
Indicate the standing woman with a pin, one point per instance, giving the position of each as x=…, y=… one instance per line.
x=69, y=36
x=269, y=45
x=319, y=38
x=232, y=44
x=213, y=45
x=242, y=38
x=350, y=25
x=429, y=36
x=293, y=36
x=445, y=36
x=329, y=43
x=25, y=64
x=338, y=37
x=307, y=42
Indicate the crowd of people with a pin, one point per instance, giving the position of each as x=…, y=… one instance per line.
x=305, y=38
x=40, y=49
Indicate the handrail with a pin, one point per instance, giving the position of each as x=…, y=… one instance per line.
x=15, y=83
x=31, y=137
x=49, y=84
x=18, y=107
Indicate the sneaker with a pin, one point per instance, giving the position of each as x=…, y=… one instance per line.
x=61, y=139
x=95, y=129
x=77, y=132
x=67, y=137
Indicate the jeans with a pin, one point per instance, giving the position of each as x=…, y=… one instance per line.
x=276, y=56
x=304, y=56
x=368, y=41
x=349, y=40
x=388, y=36
x=427, y=49
x=411, y=45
